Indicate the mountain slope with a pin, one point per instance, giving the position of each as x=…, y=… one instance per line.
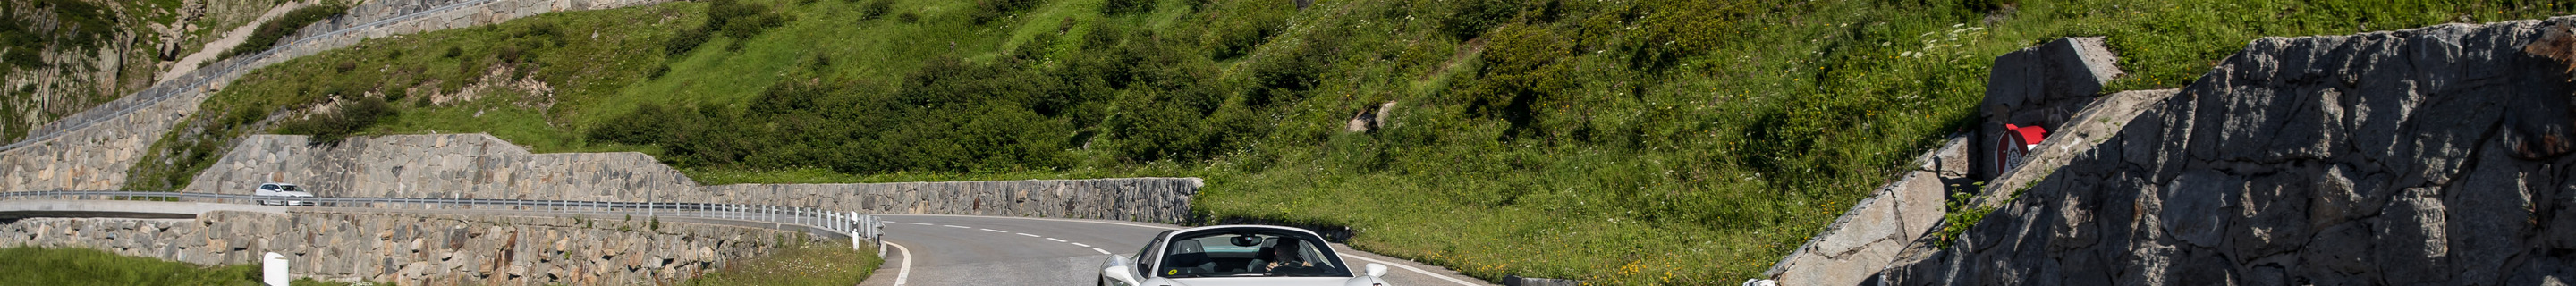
x=1622, y=142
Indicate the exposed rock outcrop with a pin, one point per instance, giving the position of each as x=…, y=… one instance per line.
x=2424, y=156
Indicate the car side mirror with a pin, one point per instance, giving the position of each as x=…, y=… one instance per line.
x=1376, y=270
x=1122, y=274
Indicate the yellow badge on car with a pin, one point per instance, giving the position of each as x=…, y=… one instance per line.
x=1172, y=272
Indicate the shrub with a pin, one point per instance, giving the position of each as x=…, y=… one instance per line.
x=1287, y=76
x=986, y=11
x=875, y=9
x=684, y=41
x=1150, y=132
x=277, y=29
x=1121, y=7
x=332, y=127
x=650, y=123
x=1472, y=17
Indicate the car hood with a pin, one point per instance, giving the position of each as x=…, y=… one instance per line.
x=1263, y=281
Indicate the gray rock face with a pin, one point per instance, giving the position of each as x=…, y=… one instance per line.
x=2424, y=156
x=478, y=166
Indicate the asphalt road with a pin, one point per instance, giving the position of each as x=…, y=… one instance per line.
x=933, y=250
x=928, y=250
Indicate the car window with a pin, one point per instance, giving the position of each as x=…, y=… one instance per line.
x=268, y=187
x=290, y=188
x=1249, y=254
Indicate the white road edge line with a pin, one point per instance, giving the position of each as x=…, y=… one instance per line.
x=1415, y=270
x=1029, y=235
x=993, y=230
x=1397, y=265
x=1101, y=251
x=1056, y=240
x=903, y=274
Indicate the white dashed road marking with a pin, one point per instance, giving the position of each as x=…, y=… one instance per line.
x=916, y=223
x=994, y=230
x=1080, y=244
x=1056, y=240
x=1029, y=235
x=955, y=226
x=1094, y=249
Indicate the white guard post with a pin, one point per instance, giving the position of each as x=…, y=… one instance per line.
x=272, y=269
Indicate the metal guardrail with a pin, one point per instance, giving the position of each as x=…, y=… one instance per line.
x=857, y=226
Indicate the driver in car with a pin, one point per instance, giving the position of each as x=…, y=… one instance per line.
x=1283, y=256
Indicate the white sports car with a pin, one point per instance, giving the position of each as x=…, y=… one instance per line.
x=1228, y=255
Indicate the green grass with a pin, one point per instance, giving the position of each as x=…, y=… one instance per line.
x=801, y=263
x=1619, y=142
x=26, y=265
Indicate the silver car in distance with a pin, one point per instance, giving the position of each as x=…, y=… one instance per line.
x=282, y=190
x=1236, y=255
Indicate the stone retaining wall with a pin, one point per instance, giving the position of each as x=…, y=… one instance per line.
x=412, y=249
x=2429, y=156
x=479, y=166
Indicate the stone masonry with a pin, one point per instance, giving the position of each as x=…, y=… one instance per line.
x=2039, y=86
x=2434, y=155
x=413, y=249
x=1869, y=236
x=1877, y=230
x=96, y=156
x=478, y=166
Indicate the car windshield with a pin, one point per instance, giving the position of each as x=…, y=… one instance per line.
x=1253, y=254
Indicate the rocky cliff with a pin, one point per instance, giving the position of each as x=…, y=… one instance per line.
x=2434, y=155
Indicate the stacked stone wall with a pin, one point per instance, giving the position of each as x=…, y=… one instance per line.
x=478, y=166
x=2429, y=156
x=415, y=249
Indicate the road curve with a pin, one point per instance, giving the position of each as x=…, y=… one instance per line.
x=939, y=250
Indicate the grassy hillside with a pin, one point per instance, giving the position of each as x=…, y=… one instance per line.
x=79, y=266
x=1622, y=142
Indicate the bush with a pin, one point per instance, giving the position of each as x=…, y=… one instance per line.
x=1472, y=17
x=739, y=20
x=986, y=11
x=1121, y=7
x=684, y=41
x=875, y=9
x=1151, y=132
x=277, y=29
x=331, y=128
x=1287, y=76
